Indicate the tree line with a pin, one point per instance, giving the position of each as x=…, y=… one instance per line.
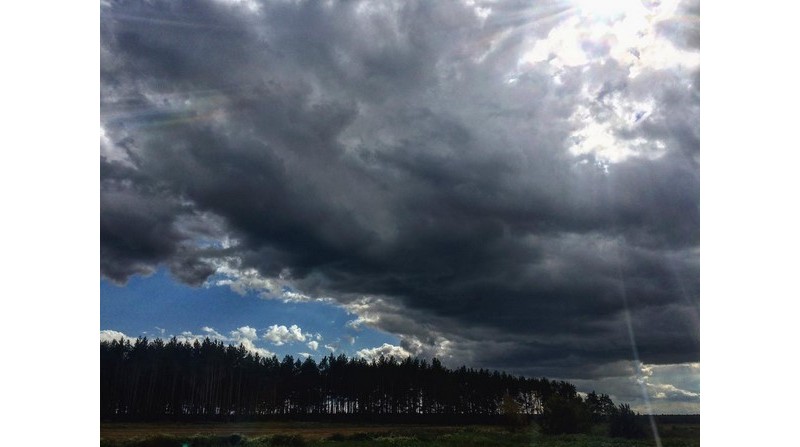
x=158, y=380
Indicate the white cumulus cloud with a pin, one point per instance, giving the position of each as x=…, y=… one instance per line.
x=111, y=335
x=280, y=335
x=386, y=350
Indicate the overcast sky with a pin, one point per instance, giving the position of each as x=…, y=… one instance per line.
x=502, y=184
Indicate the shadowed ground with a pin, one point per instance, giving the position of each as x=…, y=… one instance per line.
x=310, y=430
x=263, y=434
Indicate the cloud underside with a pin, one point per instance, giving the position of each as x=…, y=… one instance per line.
x=460, y=175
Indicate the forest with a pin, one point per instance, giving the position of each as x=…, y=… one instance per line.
x=173, y=380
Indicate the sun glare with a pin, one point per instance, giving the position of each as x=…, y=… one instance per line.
x=608, y=9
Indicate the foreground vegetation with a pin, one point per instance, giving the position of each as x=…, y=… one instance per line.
x=313, y=435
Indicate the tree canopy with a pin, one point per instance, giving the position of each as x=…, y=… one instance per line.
x=152, y=380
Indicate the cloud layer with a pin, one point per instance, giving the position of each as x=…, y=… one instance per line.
x=497, y=184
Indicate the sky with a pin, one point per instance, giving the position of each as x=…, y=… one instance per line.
x=511, y=185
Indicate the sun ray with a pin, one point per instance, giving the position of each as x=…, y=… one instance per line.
x=164, y=22
x=635, y=351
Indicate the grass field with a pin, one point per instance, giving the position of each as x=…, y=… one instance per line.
x=347, y=435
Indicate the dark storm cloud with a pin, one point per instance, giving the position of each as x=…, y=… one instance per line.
x=379, y=149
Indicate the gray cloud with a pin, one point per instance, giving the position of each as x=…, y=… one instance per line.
x=684, y=28
x=409, y=153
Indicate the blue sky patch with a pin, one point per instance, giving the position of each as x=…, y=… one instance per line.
x=157, y=305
